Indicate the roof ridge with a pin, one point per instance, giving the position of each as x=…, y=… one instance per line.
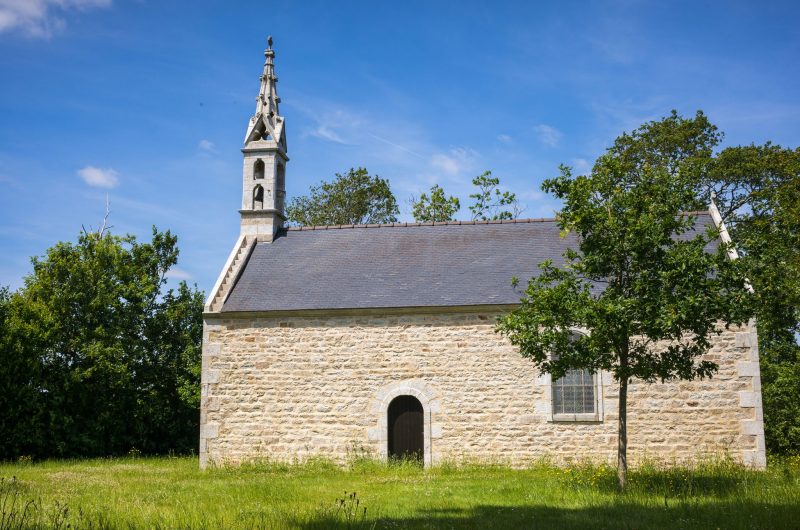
x=443, y=223
x=425, y=223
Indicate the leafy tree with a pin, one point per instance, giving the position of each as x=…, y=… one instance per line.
x=114, y=359
x=20, y=383
x=661, y=295
x=353, y=198
x=436, y=207
x=757, y=189
x=490, y=202
x=168, y=382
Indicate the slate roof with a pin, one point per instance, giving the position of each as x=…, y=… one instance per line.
x=398, y=265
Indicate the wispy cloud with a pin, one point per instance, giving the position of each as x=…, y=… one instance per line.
x=326, y=132
x=394, y=144
x=98, y=177
x=335, y=126
x=454, y=162
x=397, y=147
x=206, y=145
x=344, y=125
x=376, y=136
x=504, y=138
x=40, y=18
x=176, y=273
x=549, y=136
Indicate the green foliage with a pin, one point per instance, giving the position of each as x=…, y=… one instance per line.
x=104, y=358
x=436, y=207
x=780, y=390
x=490, y=202
x=20, y=375
x=639, y=278
x=757, y=189
x=656, y=284
x=174, y=493
x=353, y=198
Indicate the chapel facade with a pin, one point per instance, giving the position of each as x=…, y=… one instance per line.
x=320, y=341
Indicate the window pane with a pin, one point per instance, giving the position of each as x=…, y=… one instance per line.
x=588, y=398
x=574, y=393
x=558, y=400
x=569, y=399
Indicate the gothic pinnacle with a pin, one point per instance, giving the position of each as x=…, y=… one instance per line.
x=267, y=113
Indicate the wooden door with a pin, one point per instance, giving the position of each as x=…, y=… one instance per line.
x=406, y=428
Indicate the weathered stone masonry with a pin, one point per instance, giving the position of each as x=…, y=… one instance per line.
x=286, y=387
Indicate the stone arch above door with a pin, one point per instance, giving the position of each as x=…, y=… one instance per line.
x=431, y=407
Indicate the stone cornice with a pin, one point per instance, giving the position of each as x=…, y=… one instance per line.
x=363, y=311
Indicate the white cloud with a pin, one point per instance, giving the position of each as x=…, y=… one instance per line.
x=504, y=138
x=176, y=273
x=205, y=145
x=99, y=178
x=446, y=164
x=40, y=18
x=455, y=161
x=549, y=136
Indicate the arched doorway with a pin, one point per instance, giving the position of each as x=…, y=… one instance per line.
x=406, y=428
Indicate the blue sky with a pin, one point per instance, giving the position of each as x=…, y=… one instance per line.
x=147, y=102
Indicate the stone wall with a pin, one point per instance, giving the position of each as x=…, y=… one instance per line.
x=288, y=387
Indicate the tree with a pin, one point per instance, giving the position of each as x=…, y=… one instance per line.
x=490, y=202
x=20, y=382
x=757, y=189
x=437, y=207
x=661, y=296
x=353, y=198
x=168, y=382
x=111, y=358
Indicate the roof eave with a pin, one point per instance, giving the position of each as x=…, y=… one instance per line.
x=360, y=311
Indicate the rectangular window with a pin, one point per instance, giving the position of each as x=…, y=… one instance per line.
x=574, y=394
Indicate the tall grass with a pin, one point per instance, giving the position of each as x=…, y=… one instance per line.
x=366, y=493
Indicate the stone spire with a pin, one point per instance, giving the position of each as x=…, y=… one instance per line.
x=264, y=171
x=267, y=122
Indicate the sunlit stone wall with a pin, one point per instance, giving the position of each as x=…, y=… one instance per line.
x=289, y=387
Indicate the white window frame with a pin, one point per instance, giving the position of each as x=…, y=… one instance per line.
x=596, y=416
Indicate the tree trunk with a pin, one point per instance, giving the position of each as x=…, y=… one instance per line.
x=622, y=445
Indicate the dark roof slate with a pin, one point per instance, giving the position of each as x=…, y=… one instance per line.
x=400, y=265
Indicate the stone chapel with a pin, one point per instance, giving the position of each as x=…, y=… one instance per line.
x=323, y=339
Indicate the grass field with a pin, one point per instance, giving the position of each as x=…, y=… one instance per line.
x=174, y=493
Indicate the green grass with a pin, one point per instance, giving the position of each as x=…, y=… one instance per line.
x=174, y=493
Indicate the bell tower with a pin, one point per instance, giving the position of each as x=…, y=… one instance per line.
x=264, y=173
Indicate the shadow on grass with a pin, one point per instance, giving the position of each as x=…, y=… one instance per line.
x=683, y=515
x=678, y=483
